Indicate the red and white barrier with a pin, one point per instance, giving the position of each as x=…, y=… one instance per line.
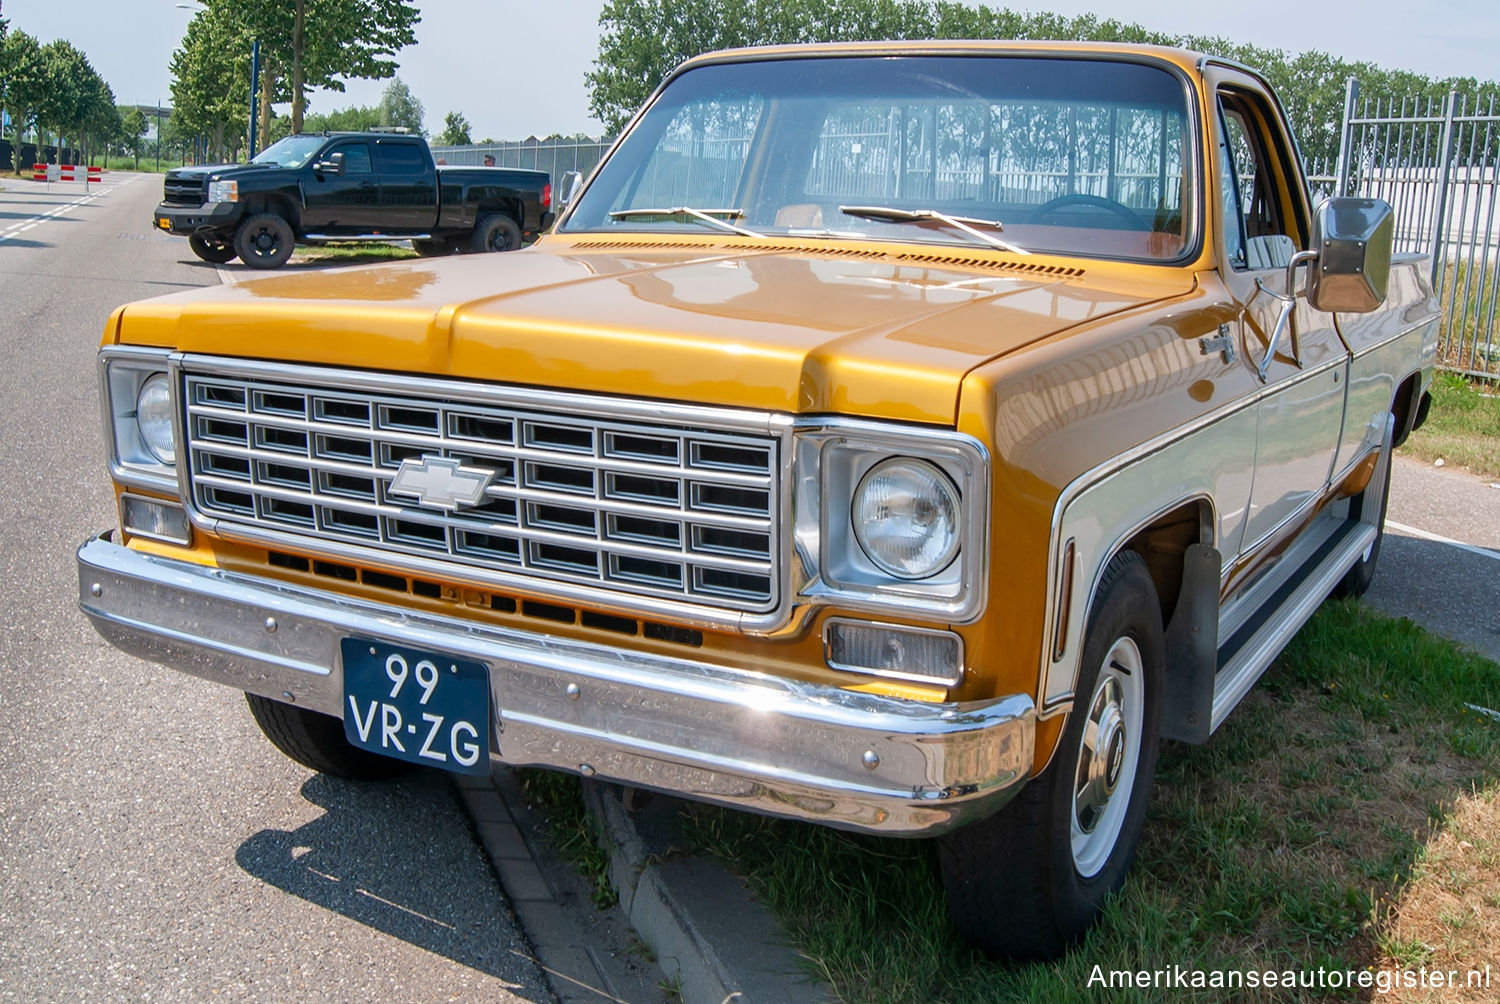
x=66, y=172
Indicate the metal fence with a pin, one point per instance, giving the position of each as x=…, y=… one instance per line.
x=1435, y=162
x=553, y=156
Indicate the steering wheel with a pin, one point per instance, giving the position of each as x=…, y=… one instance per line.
x=1085, y=206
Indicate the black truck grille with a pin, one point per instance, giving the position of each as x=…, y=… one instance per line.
x=184, y=191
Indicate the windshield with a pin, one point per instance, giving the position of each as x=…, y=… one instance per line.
x=1077, y=156
x=293, y=151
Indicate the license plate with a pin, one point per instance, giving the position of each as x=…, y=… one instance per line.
x=417, y=706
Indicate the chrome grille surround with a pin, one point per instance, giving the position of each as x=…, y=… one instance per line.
x=657, y=508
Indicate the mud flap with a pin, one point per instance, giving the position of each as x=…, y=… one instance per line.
x=1193, y=648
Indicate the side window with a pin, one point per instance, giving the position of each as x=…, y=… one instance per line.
x=399, y=158
x=1261, y=230
x=356, y=158
x=1229, y=198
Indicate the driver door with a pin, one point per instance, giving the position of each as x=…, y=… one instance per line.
x=347, y=203
x=1266, y=221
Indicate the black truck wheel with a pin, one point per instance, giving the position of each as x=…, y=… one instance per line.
x=317, y=741
x=211, y=250
x=495, y=232
x=1028, y=881
x=264, y=241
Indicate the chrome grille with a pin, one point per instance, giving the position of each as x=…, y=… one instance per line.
x=573, y=495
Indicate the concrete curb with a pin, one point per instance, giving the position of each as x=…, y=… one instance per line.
x=587, y=954
x=708, y=934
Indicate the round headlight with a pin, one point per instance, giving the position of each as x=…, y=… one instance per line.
x=905, y=517
x=153, y=416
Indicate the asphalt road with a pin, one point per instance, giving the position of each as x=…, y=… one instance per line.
x=152, y=844
x=1440, y=559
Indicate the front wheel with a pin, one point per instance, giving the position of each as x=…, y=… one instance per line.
x=495, y=232
x=1029, y=881
x=210, y=250
x=317, y=741
x=264, y=241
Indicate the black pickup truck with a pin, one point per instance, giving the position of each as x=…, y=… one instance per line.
x=319, y=189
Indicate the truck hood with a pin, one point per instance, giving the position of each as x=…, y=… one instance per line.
x=784, y=328
x=219, y=170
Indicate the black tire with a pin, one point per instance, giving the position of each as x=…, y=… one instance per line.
x=264, y=241
x=495, y=232
x=211, y=250
x=317, y=741
x=1358, y=578
x=1029, y=881
x=432, y=249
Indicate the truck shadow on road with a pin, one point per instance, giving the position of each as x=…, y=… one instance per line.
x=398, y=857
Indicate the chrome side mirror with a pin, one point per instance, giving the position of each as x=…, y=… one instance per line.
x=567, y=190
x=333, y=165
x=1353, y=239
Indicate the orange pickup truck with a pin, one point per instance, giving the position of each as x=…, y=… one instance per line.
x=899, y=437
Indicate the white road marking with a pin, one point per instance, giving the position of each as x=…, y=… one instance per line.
x=1413, y=531
x=21, y=226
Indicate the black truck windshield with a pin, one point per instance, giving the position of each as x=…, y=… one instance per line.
x=1079, y=155
x=293, y=151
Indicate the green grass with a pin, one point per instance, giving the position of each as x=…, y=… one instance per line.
x=352, y=253
x=559, y=798
x=1462, y=428
x=1283, y=843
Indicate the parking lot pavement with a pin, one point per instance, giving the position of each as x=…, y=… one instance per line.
x=1440, y=560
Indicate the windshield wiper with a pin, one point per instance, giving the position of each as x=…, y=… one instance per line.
x=709, y=216
x=926, y=217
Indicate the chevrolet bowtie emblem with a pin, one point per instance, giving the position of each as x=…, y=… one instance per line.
x=440, y=483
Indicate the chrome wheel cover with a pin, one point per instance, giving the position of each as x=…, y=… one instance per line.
x=1108, y=754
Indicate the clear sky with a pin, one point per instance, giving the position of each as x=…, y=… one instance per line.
x=515, y=67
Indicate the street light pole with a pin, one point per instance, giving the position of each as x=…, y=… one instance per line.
x=158, y=134
x=254, y=90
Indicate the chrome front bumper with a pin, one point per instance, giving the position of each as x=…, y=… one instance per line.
x=748, y=740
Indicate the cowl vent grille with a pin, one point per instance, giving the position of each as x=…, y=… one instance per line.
x=910, y=257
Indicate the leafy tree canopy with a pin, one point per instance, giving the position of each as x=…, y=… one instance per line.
x=455, y=130
x=321, y=43
x=356, y=118
x=399, y=107
x=642, y=40
x=211, y=79
x=23, y=79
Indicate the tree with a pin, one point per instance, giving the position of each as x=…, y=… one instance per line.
x=76, y=103
x=399, y=107
x=319, y=43
x=23, y=84
x=133, y=127
x=455, y=130
x=641, y=41
x=211, y=79
x=356, y=118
